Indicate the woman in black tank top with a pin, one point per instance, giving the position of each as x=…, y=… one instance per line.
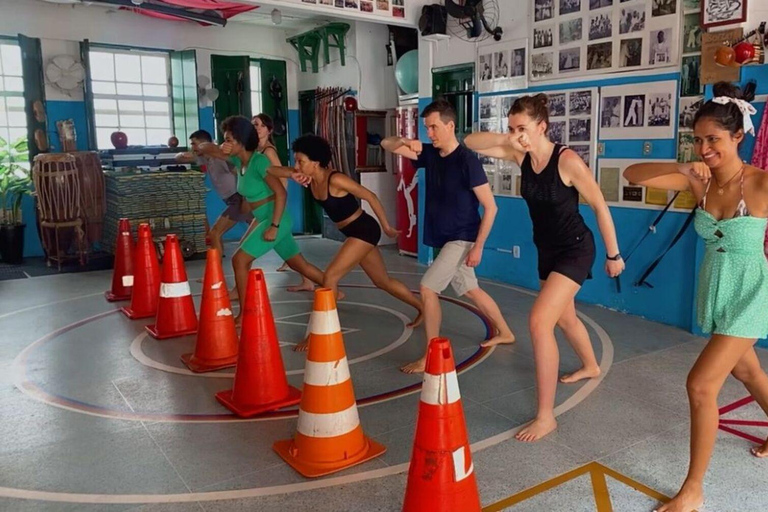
x=552, y=179
x=338, y=194
x=264, y=127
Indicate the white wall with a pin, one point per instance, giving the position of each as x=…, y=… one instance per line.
x=62, y=27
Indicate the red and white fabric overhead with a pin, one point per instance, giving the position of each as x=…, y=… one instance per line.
x=225, y=9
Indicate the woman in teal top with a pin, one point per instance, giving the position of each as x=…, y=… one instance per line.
x=266, y=197
x=733, y=278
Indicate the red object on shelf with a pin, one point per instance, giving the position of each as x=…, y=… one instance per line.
x=119, y=140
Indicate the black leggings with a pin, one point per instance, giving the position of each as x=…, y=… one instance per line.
x=365, y=228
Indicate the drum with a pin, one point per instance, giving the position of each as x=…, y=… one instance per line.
x=92, y=198
x=57, y=185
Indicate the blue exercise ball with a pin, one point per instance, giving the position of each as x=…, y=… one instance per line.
x=407, y=72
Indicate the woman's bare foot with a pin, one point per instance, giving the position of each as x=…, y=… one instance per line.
x=415, y=367
x=417, y=321
x=761, y=452
x=305, y=286
x=499, y=339
x=583, y=373
x=283, y=268
x=302, y=347
x=537, y=429
x=689, y=499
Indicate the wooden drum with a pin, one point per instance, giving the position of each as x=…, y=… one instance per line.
x=93, y=203
x=57, y=186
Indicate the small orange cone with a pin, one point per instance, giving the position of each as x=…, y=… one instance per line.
x=146, y=277
x=441, y=477
x=122, y=275
x=175, y=309
x=329, y=437
x=260, y=384
x=216, y=346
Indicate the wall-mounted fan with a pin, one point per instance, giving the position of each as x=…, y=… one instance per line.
x=206, y=95
x=474, y=20
x=65, y=73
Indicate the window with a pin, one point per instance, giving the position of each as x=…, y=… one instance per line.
x=13, y=119
x=255, y=88
x=131, y=93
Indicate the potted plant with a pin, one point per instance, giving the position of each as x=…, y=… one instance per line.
x=15, y=183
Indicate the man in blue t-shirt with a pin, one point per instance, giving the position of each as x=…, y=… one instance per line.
x=456, y=187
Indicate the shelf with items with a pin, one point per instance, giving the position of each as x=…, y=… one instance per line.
x=370, y=130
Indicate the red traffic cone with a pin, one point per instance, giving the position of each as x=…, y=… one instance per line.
x=122, y=275
x=175, y=310
x=146, y=277
x=216, y=345
x=260, y=383
x=441, y=477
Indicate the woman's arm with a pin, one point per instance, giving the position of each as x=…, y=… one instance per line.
x=212, y=150
x=671, y=176
x=576, y=172
x=347, y=184
x=282, y=172
x=280, y=199
x=496, y=145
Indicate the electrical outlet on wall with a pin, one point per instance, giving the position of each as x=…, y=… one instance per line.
x=647, y=147
x=600, y=148
x=516, y=251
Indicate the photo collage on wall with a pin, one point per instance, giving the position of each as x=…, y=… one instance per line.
x=583, y=37
x=392, y=8
x=571, y=121
x=502, y=66
x=691, y=87
x=619, y=192
x=632, y=112
x=503, y=176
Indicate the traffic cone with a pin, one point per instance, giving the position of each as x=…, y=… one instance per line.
x=441, y=477
x=329, y=437
x=175, y=310
x=216, y=345
x=146, y=277
x=260, y=384
x=122, y=275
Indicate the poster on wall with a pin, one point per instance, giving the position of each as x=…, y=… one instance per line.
x=583, y=37
x=715, y=13
x=711, y=73
x=375, y=8
x=502, y=66
x=572, y=115
x=632, y=112
x=502, y=175
x=619, y=192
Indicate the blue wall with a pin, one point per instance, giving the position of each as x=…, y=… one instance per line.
x=671, y=300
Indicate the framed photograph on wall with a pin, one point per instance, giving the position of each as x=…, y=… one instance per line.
x=502, y=66
x=716, y=13
x=631, y=112
x=620, y=192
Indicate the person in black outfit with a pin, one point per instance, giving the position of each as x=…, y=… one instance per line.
x=338, y=194
x=553, y=176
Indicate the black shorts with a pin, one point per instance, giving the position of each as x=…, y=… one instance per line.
x=233, y=212
x=573, y=261
x=365, y=228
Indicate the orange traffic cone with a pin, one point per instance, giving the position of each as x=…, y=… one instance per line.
x=441, y=477
x=216, y=345
x=122, y=275
x=329, y=437
x=146, y=277
x=175, y=310
x=260, y=384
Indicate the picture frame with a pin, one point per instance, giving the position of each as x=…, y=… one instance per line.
x=715, y=13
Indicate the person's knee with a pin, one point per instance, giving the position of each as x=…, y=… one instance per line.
x=428, y=294
x=747, y=374
x=700, y=390
x=540, y=325
x=241, y=260
x=568, y=322
x=383, y=282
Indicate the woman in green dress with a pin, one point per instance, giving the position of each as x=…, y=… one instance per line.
x=265, y=196
x=733, y=278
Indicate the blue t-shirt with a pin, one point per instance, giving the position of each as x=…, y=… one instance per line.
x=452, y=209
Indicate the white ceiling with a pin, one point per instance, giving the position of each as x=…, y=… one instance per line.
x=293, y=20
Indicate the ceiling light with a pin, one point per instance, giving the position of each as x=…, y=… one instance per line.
x=277, y=16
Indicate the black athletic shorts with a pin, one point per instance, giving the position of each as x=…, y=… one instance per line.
x=574, y=261
x=365, y=228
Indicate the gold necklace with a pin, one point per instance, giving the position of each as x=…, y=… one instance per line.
x=721, y=188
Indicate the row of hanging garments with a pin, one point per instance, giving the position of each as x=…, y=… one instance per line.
x=335, y=123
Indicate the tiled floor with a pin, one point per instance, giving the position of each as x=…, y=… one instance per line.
x=89, y=423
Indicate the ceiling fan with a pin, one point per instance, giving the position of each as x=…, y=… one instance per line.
x=476, y=18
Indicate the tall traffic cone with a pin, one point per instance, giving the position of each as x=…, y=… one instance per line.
x=260, y=384
x=441, y=477
x=329, y=437
x=175, y=310
x=146, y=277
x=216, y=345
x=122, y=275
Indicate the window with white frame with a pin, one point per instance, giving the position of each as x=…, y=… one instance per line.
x=13, y=120
x=131, y=94
x=255, y=88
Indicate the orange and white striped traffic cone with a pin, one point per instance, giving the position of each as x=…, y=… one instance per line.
x=441, y=477
x=329, y=436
